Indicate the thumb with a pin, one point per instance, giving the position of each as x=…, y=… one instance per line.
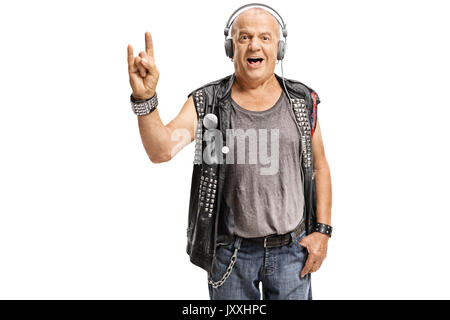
x=304, y=242
x=149, y=64
x=144, y=62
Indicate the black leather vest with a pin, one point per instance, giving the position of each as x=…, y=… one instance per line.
x=210, y=220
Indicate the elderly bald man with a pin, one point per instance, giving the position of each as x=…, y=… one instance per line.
x=250, y=221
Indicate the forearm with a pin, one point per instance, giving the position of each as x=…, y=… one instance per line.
x=155, y=137
x=323, y=194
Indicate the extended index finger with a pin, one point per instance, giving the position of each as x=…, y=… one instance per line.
x=149, y=44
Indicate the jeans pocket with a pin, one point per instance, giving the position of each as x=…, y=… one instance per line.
x=224, y=261
x=298, y=238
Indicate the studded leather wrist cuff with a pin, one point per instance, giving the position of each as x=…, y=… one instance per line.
x=144, y=107
x=323, y=228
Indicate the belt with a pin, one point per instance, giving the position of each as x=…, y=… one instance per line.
x=277, y=240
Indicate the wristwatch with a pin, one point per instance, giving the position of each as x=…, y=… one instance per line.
x=144, y=107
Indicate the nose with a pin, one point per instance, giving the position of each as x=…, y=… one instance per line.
x=255, y=44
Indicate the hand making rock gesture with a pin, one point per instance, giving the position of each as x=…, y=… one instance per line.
x=142, y=71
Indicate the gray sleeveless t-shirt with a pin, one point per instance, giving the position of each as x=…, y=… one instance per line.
x=264, y=189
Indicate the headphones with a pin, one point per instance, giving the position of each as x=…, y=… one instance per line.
x=282, y=44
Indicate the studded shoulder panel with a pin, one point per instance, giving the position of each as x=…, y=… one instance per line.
x=302, y=117
x=199, y=103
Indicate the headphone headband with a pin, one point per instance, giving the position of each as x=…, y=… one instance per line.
x=282, y=24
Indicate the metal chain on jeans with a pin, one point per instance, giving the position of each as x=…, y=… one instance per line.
x=227, y=273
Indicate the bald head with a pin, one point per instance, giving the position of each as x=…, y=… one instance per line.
x=255, y=15
x=256, y=35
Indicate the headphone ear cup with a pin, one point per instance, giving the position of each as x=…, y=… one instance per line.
x=229, y=48
x=281, y=50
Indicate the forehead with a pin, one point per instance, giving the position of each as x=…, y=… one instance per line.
x=256, y=19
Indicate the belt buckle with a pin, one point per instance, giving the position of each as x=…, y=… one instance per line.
x=265, y=240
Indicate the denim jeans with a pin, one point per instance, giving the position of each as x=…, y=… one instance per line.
x=277, y=268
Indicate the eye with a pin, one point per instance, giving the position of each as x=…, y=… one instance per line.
x=265, y=38
x=244, y=37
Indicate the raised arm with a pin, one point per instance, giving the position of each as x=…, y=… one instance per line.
x=161, y=142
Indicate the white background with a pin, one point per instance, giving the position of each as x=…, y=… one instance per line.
x=84, y=214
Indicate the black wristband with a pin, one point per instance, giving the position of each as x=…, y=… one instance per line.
x=133, y=99
x=323, y=228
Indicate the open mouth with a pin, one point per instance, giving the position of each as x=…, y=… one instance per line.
x=255, y=62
